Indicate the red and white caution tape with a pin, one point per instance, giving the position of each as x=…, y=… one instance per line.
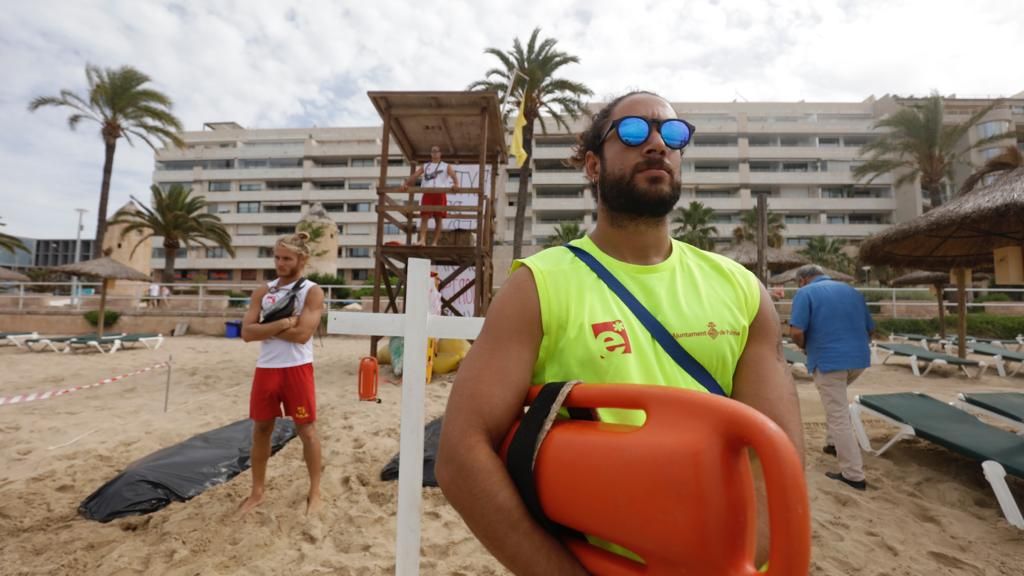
x=23, y=398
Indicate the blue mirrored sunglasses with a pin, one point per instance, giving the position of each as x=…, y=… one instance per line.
x=635, y=130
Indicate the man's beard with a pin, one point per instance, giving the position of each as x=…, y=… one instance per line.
x=626, y=201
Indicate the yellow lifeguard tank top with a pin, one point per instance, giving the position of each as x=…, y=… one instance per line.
x=706, y=301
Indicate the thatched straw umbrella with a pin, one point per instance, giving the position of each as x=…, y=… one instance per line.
x=790, y=276
x=108, y=269
x=960, y=234
x=778, y=259
x=12, y=276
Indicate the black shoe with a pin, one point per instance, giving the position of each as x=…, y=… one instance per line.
x=829, y=449
x=855, y=484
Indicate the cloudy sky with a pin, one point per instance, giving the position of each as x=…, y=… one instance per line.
x=274, y=63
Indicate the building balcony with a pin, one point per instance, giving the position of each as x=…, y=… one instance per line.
x=712, y=153
x=833, y=204
x=541, y=203
x=568, y=178
x=845, y=230
x=857, y=127
x=848, y=154
x=701, y=178
x=808, y=178
x=264, y=218
x=348, y=172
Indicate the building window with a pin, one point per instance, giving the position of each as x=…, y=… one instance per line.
x=216, y=252
x=828, y=142
x=990, y=153
x=391, y=229
x=284, y=185
x=278, y=230
x=334, y=185
x=360, y=274
x=836, y=219
x=248, y=275
x=219, y=186
x=359, y=185
x=176, y=165
x=265, y=252
x=993, y=128
x=250, y=187
x=797, y=241
x=282, y=208
x=248, y=207
x=797, y=219
x=334, y=206
x=184, y=274
x=359, y=207
x=218, y=164
x=359, y=252
x=362, y=162
x=285, y=162
x=159, y=252
x=219, y=275
x=247, y=164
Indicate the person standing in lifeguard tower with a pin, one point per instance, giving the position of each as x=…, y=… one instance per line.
x=434, y=174
x=283, y=315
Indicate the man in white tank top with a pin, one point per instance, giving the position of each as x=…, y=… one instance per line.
x=284, y=370
x=435, y=174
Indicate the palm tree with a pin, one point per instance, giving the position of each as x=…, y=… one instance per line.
x=565, y=232
x=696, y=228
x=11, y=243
x=747, y=230
x=532, y=75
x=1011, y=158
x=919, y=144
x=828, y=252
x=180, y=218
x=123, y=107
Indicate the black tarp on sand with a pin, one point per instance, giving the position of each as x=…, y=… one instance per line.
x=180, y=472
x=431, y=439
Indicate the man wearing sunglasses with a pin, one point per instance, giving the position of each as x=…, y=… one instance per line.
x=555, y=320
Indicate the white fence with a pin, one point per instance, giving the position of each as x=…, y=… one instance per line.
x=183, y=298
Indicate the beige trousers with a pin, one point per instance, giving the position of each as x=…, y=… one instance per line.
x=832, y=389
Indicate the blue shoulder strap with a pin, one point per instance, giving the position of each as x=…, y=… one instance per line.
x=674, y=349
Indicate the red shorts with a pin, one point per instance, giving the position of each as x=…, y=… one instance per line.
x=291, y=387
x=435, y=199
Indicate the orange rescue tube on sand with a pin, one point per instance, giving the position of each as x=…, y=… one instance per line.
x=368, y=371
x=677, y=491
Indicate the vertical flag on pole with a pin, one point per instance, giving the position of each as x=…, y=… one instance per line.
x=517, y=134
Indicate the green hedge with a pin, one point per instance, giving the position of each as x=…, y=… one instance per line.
x=110, y=317
x=980, y=325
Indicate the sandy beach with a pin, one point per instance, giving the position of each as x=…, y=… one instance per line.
x=927, y=511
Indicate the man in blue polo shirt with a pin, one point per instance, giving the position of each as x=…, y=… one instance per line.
x=831, y=322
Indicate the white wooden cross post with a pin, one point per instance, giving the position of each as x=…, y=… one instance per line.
x=416, y=325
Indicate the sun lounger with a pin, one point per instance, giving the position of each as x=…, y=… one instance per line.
x=919, y=354
x=795, y=358
x=60, y=343
x=1000, y=356
x=1004, y=407
x=150, y=341
x=98, y=343
x=918, y=415
x=924, y=340
x=17, y=338
x=1016, y=344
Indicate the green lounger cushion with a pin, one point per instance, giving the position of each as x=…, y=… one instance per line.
x=951, y=428
x=1008, y=404
x=923, y=354
x=993, y=350
x=794, y=356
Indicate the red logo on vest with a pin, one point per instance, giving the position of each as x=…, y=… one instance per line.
x=612, y=337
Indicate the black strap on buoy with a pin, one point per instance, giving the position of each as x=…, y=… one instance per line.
x=522, y=451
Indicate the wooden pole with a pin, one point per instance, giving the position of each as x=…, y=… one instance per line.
x=939, y=288
x=762, y=239
x=103, y=308
x=167, y=389
x=378, y=269
x=961, y=301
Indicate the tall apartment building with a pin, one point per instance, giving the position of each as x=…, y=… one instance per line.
x=801, y=154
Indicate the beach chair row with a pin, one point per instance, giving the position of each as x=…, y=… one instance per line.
x=107, y=344
x=1007, y=362
x=956, y=427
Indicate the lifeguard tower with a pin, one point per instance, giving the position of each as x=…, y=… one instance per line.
x=468, y=128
